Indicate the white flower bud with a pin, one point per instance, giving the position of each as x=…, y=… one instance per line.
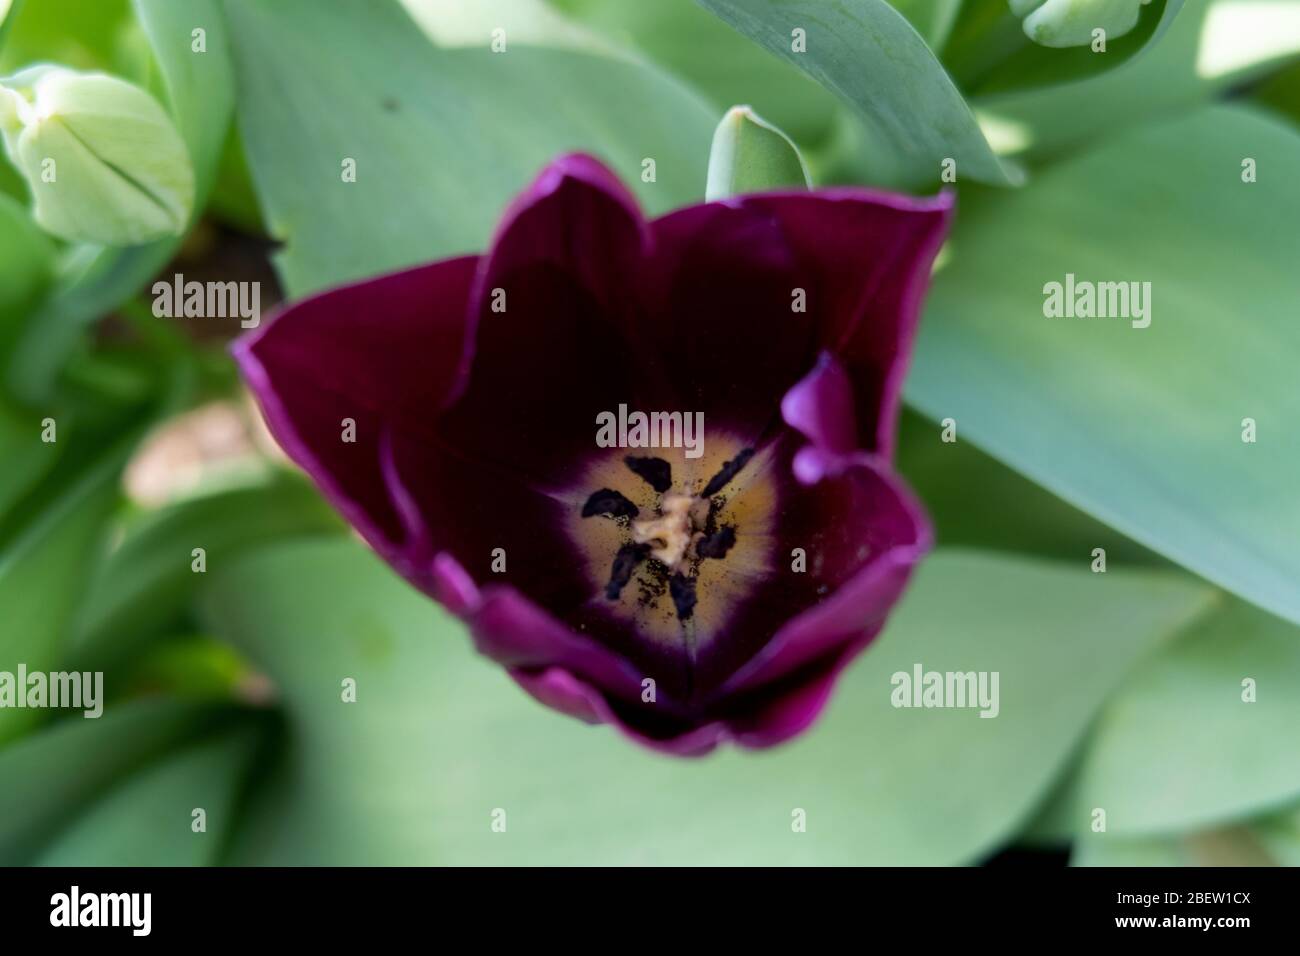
x=102, y=158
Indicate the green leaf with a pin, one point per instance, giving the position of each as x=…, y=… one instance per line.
x=691, y=43
x=1281, y=92
x=878, y=784
x=43, y=574
x=1280, y=835
x=441, y=139
x=148, y=581
x=147, y=819
x=1013, y=513
x=530, y=22
x=751, y=155
x=26, y=458
x=989, y=51
x=1210, y=47
x=1179, y=749
x=48, y=775
x=933, y=19
x=26, y=265
x=869, y=54
x=72, y=32
x=1230, y=846
x=1140, y=427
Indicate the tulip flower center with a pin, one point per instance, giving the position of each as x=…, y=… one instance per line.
x=673, y=545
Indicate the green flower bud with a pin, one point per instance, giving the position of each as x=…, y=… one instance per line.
x=749, y=155
x=102, y=158
x=1063, y=23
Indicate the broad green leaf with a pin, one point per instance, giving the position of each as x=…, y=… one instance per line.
x=975, y=501
x=148, y=581
x=749, y=155
x=869, y=54
x=148, y=819
x=1179, y=748
x=441, y=139
x=726, y=67
x=48, y=775
x=1212, y=46
x=1141, y=427
x=96, y=279
x=438, y=739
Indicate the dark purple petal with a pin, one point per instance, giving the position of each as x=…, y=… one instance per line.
x=883, y=534
x=867, y=257
x=717, y=314
x=385, y=353
x=563, y=265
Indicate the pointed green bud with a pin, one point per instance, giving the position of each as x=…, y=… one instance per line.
x=751, y=155
x=1063, y=23
x=102, y=158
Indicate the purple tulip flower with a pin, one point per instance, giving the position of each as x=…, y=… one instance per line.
x=476, y=420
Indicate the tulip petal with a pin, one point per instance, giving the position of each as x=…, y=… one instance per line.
x=867, y=256
x=383, y=353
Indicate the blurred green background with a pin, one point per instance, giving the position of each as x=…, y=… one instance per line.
x=1121, y=691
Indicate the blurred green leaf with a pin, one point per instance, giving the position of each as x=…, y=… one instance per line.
x=1280, y=835
x=146, y=820
x=933, y=19
x=43, y=574
x=1212, y=46
x=26, y=458
x=148, y=582
x=989, y=52
x=439, y=738
x=453, y=23
x=76, y=33
x=441, y=139
x=1281, y=92
x=693, y=44
x=975, y=501
x=749, y=155
x=1141, y=427
x=49, y=775
x=1234, y=846
x=1179, y=749
x=869, y=54
x=26, y=266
